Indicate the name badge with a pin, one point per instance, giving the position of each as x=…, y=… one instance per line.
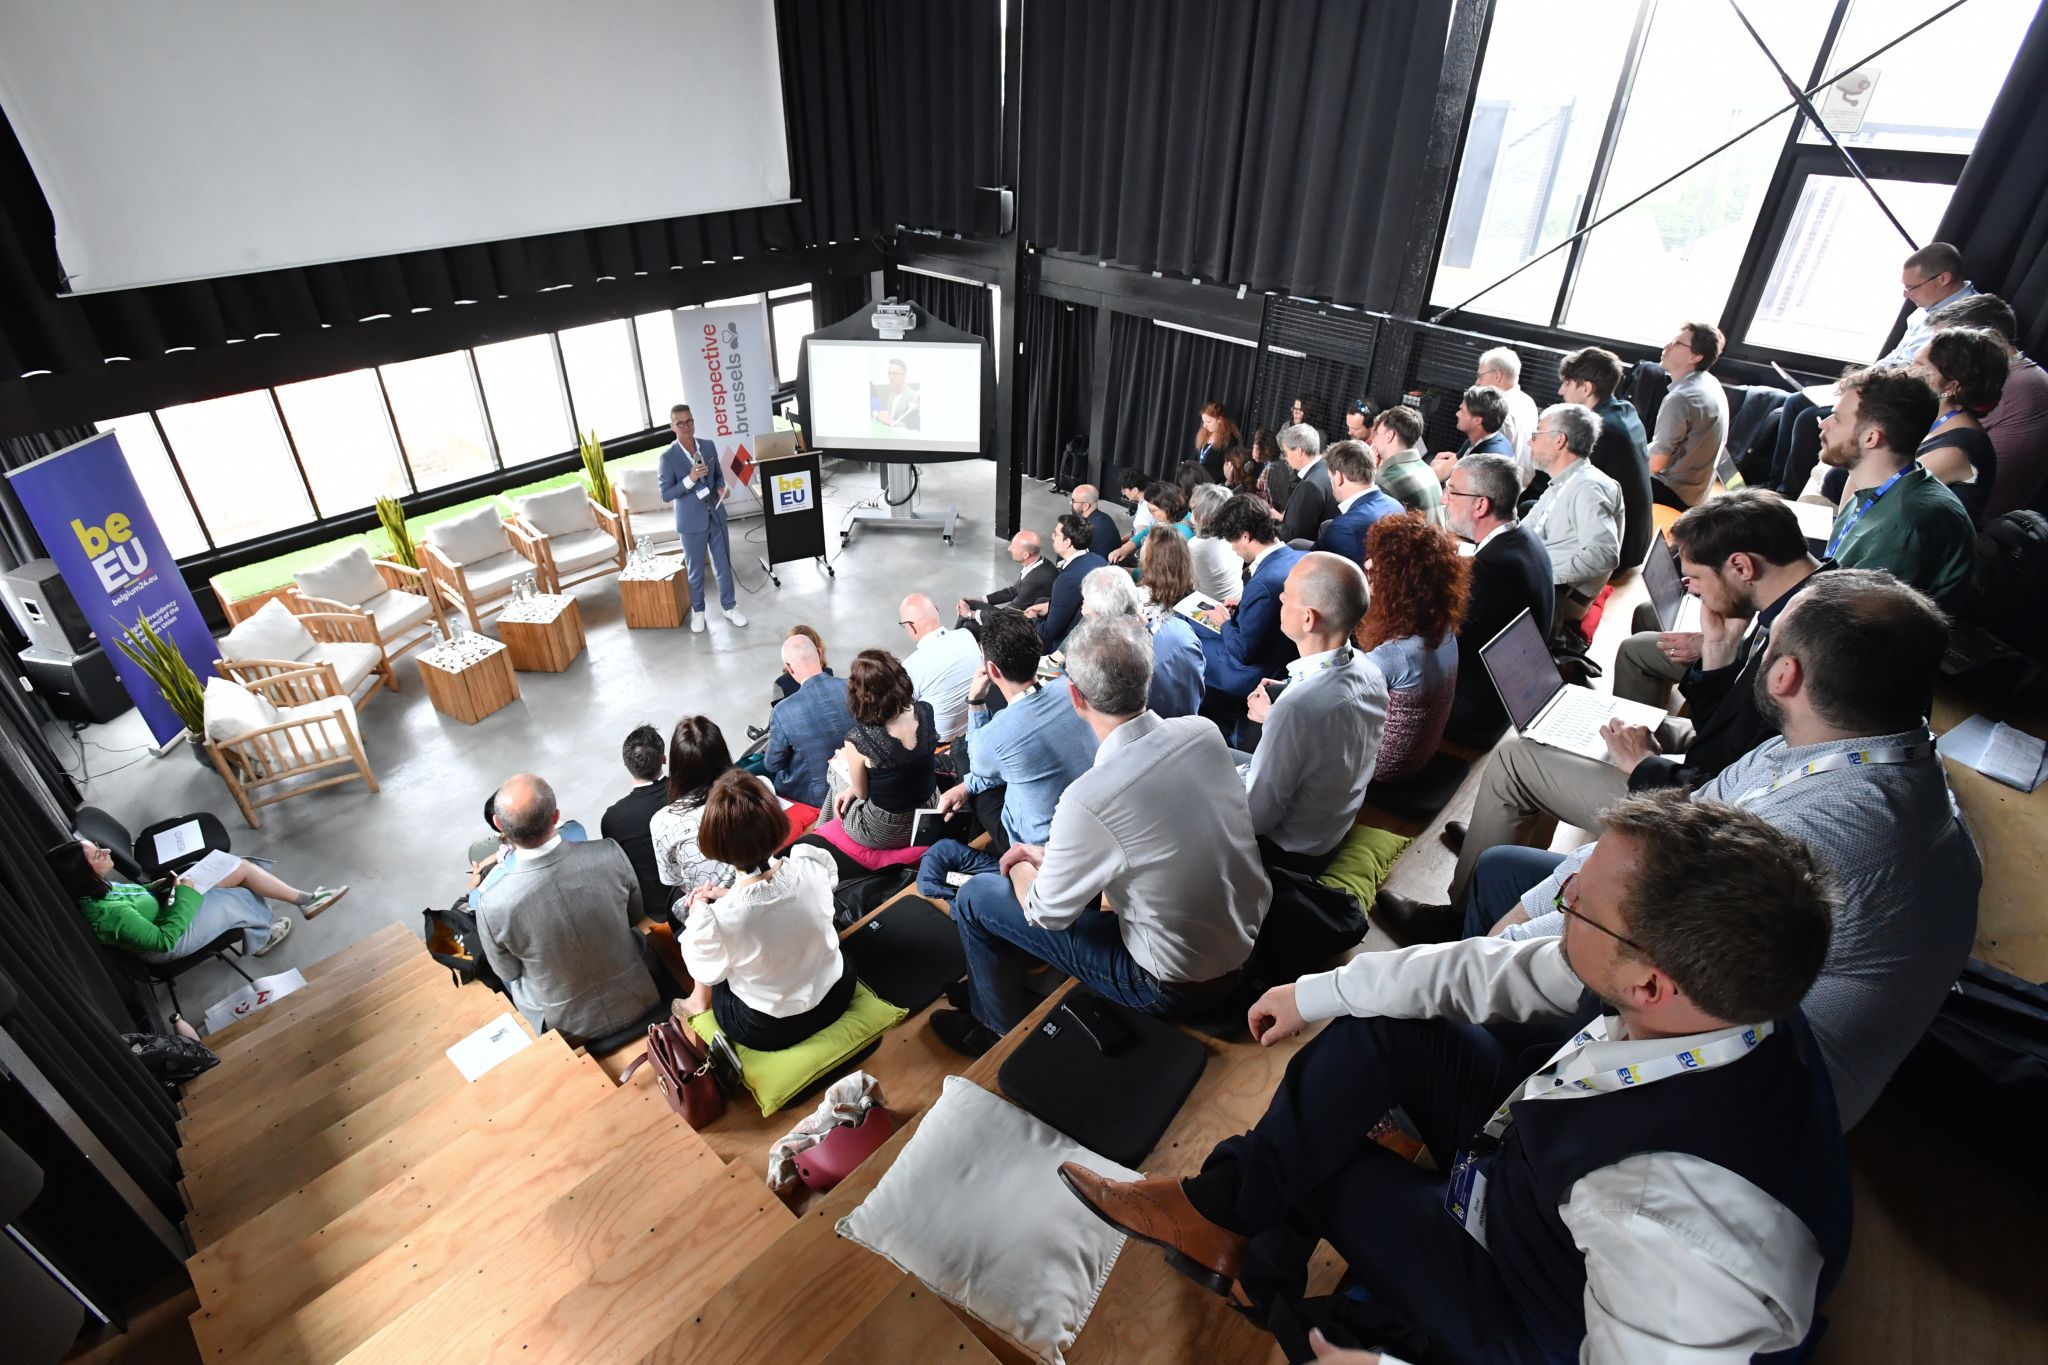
x=1465, y=1195
x=703, y=490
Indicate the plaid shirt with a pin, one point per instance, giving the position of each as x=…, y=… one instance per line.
x=804, y=731
x=1413, y=483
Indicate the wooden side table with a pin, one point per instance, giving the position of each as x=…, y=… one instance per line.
x=469, y=678
x=544, y=633
x=655, y=595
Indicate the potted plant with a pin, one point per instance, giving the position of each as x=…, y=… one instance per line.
x=392, y=515
x=593, y=470
x=166, y=667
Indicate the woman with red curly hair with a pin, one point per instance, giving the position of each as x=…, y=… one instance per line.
x=1419, y=585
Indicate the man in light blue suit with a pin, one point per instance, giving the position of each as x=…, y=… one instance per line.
x=692, y=480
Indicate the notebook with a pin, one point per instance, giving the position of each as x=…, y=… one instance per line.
x=1542, y=707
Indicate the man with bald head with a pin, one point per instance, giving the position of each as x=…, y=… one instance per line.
x=557, y=928
x=942, y=666
x=1321, y=724
x=1035, y=574
x=1107, y=534
x=806, y=727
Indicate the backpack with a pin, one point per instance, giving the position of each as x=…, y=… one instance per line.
x=1308, y=926
x=854, y=897
x=2009, y=581
x=171, y=1059
x=454, y=941
x=1983, y=1065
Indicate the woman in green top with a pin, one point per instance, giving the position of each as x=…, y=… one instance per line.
x=163, y=927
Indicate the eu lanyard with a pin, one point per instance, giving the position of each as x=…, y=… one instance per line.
x=1856, y=513
x=1560, y=1068
x=1851, y=758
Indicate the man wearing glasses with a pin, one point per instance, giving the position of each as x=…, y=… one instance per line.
x=1669, y=1182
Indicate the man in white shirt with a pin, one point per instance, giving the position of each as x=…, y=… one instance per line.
x=1500, y=368
x=1666, y=1186
x=1316, y=751
x=1578, y=518
x=1148, y=890
x=943, y=665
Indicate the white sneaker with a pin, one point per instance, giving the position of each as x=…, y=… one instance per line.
x=280, y=929
x=736, y=616
x=696, y=623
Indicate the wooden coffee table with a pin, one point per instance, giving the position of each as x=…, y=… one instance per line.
x=544, y=633
x=469, y=678
x=655, y=595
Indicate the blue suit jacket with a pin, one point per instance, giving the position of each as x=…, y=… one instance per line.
x=694, y=515
x=1492, y=443
x=1345, y=534
x=1250, y=646
x=1107, y=536
x=1064, y=607
x=804, y=730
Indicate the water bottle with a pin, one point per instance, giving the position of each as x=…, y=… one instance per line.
x=440, y=635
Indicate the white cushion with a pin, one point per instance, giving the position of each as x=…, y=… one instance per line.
x=272, y=633
x=232, y=709
x=352, y=662
x=658, y=531
x=396, y=612
x=471, y=537
x=323, y=740
x=349, y=578
x=559, y=511
x=583, y=549
x=974, y=1207
x=493, y=577
x=641, y=489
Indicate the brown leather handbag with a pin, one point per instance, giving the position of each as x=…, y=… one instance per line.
x=682, y=1068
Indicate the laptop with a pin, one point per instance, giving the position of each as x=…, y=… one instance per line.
x=1677, y=609
x=1542, y=707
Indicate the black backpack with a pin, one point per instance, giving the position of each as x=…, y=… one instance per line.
x=1307, y=928
x=2009, y=582
x=454, y=941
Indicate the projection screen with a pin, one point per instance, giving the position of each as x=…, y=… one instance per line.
x=180, y=141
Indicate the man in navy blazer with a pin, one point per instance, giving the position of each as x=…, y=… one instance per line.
x=693, y=481
x=1359, y=503
x=1510, y=571
x=1072, y=539
x=1312, y=501
x=1248, y=647
x=1087, y=506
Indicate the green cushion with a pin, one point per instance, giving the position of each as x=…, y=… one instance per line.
x=776, y=1078
x=1363, y=862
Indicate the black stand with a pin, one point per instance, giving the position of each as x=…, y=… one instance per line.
x=793, y=501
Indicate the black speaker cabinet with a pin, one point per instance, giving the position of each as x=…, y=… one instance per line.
x=47, y=611
x=77, y=686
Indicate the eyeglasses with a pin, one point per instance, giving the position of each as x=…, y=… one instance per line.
x=1454, y=493
x=907, y=625
x=1565, y=905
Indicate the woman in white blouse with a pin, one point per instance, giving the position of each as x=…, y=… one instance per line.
x=697, y=755
x=763, y=952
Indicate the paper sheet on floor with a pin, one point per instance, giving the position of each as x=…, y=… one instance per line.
x=488, y=1046
x=264, y=991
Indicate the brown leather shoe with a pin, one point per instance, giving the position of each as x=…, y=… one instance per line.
x=1409, y=922
x=1158, y=1211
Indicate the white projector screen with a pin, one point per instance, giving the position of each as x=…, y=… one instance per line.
x=901, y=395
x=189, y=140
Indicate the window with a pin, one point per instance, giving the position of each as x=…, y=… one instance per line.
x=523, y=393
x=143, y=448
x=439, y=422
x=343, y=435
x=1894, y=102
x=661, y=369
x=790, y=323
x=235, y=460
x=603, y=389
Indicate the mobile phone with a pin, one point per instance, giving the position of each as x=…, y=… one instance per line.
x=1275, y=686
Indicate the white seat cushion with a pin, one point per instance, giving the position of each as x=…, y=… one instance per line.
x=641, y=489
x=659, y=531
x=349, y=578
x=493, y=577
x=352, y=662
x=559, y=511
x=323, y=740
x=232, y=710
x=272, y=633
x=396, y=612
x=470, y=538
x=583, y=549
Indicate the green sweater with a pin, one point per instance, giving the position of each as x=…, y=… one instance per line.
x=131, y=917
x=1918, y=531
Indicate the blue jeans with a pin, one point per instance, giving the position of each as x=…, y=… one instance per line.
x=1499, y=878
x=950, y=855
x=694, y=545
x=222, y=909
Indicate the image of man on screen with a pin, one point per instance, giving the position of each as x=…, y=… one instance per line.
x=896, y=408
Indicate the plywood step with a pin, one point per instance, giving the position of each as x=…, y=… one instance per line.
x=911, y=1324
x=305, y=1014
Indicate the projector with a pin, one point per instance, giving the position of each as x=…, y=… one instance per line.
x=893, y=319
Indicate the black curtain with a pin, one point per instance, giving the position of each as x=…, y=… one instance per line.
x=1998, y=216
x=19, y=542
x=836, y=297
x=957, y=302
x=892, y=110
x=1058, y=365
x=1159, y=380
x=1266, y=144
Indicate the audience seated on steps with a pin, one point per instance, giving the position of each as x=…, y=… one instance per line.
x=785, y=685
x=1967, y=368
x=697, y=758
x=1359, y=504
x=762, y=951
x=1130, y=486
x=1104, y=537
x=1855, y=777
x=1071, y=539
x=628, y=821
x=1218, y=572
x=162, y=923
x=807, y=728
x=1148, y=889
x=1482, y=409
x=1275, y=481
x=557, y=926
x=885, y=771
x=1403, y=475
x=1662, y=1178
x=1320, y=739
x=1033, y=585
x=1245, y=644
x=1510, y=574
x=1692, y=422
x=1592, y=378
x=1896, y=516
x=493, y=855
x=1310, y=502
x=2018, y=423
x=1578, y=516
x=941, y=666
x=1164, y=505
x=1501, y=368
x=1418, y=585
x=1177, y=663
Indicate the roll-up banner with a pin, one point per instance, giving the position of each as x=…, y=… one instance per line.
x=729, y=381
x=87, y=508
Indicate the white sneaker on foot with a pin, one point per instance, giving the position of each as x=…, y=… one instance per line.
x=280, y=930
x=736, y=616
x=323, y=896
x=696, y=623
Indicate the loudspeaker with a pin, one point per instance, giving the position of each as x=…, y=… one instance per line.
x=995, y=211
x=77, y=686
x=46, y=610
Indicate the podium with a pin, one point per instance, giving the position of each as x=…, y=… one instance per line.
x=793, y=501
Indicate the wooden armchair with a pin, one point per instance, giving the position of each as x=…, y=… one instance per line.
x=315, y=733
x=473, y=561
x=401, y=604
x=579, y=537
x=636, y=493
x=279, y=640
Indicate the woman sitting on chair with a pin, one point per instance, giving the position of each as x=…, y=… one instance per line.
x=763, y=951
x=179, y=921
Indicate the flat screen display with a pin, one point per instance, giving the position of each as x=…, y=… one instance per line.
x=901, y=395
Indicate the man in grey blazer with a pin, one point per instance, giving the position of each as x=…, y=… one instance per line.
x=557, y=927
x=1312, y=502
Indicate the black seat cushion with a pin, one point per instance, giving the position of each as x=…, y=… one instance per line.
x=1117, y=1104
x=908, y=954
x=212, y=833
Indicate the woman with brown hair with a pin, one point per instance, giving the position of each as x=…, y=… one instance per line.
x=885, y=772
x=1168, y=573
x=1966, y=367
x=1419, y=585
x=763, y=952
x=697, y=758
x=1215, y=437
x=1275, y=479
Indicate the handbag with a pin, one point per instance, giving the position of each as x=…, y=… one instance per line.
x=845, y=1147
x=682, y=1068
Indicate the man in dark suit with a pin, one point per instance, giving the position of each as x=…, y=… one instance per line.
x=693, y=481
x=1592, y=377
x=626, y=821
x=1311, y=503
x=1087, y=507
x=1359, y=503
x=1072, y=544
x=1247, y=646
x=1034, y=580
x=1510, y=571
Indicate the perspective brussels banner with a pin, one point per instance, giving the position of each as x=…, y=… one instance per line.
x=728, y=381
x=87, y=508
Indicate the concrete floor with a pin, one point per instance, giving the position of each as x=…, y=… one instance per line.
x=402, y=849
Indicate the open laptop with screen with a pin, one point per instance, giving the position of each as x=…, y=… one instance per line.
x=1676, y=608
x=1539, y=702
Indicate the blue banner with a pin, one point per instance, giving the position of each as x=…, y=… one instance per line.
x=87, y=508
